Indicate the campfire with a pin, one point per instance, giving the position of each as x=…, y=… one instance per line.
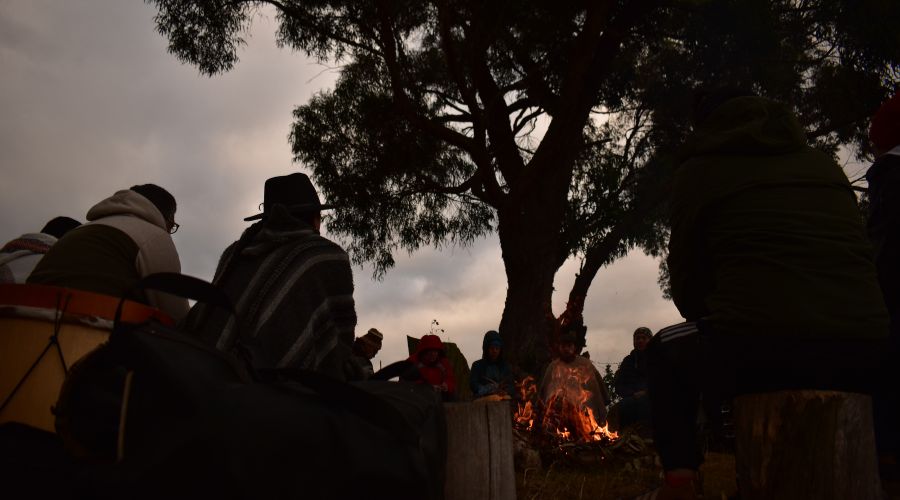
x=564, y=415
x=562, y=425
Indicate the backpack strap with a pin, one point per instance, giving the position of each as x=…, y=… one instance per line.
x=178, y=284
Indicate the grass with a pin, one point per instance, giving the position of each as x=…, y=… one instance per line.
x=618, y=480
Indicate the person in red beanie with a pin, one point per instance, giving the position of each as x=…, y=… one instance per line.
x=884, y=230
x=434, y=369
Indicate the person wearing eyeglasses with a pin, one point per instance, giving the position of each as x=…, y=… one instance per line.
x=127, y=237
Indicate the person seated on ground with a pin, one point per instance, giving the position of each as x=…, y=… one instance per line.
x=884, y=231
x=128, y=236
x=491, y=375
x=563, y=387
x=631, y=383
x=359, y=366
x=19, y=256
x=292, y=288
x=431, y=366
x=769, y=266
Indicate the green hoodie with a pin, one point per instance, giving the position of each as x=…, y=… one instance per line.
x=766, y=235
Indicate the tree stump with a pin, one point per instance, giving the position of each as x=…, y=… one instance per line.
x=806, y=444
x=479, y=452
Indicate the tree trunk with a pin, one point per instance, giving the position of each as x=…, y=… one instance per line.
x=529, y=242
x=806, y=444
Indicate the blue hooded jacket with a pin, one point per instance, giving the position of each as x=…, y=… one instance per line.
x=489, y=377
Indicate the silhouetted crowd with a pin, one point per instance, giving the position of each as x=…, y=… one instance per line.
x=781, y=281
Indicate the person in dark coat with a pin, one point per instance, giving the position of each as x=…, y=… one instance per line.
x=631, y=382
x=884, y=230
x=767, y=249
x=491, y=375
x=291, y=287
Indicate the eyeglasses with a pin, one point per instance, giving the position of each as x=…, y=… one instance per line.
x=174, y=228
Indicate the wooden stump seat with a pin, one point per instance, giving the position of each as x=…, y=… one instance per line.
x=479, y=452
x=806, y=445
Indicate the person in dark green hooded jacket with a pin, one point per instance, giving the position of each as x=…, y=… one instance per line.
x=771, y=268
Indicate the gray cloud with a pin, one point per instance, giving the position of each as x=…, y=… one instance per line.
x=92, y=103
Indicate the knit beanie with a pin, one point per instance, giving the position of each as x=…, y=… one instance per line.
x=884, y=131
x=373, y=336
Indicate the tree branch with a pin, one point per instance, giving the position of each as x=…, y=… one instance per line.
x=502, y=138
x=301, y=18
x=518, y=125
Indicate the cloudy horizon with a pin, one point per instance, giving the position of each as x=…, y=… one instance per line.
x=92, y=103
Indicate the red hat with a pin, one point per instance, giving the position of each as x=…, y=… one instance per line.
x=885, y=129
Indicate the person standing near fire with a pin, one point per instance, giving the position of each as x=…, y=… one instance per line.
x=767, y=249
x=883, y=178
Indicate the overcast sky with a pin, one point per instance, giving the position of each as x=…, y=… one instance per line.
x=91, y=102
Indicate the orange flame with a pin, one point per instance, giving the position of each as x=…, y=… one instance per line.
x=525, y=413
x=567, y=412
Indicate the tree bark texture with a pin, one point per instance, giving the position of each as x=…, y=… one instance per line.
x=479, y=452
x=806, y=445
x=529, y=243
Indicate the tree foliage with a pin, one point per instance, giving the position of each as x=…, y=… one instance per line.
x=554, y=123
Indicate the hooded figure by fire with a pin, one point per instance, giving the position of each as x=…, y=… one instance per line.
x=572, y=395
x=432, y=367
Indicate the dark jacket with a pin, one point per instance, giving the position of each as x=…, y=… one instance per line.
x=489, y=377
x=766, y=236
x=358, y=366
x=884, y=226
x=293, y=291
x=631, y=376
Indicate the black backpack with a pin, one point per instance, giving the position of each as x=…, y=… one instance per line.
x=157, y=413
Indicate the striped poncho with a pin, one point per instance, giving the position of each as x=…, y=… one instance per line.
x=293, y=291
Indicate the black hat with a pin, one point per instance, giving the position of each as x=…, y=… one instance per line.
x=294, y=191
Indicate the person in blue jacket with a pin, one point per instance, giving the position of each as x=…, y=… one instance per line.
x=491, y=374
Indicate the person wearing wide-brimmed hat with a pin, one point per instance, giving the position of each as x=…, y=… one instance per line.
x=291, y=287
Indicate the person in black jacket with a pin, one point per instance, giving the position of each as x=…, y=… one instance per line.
x=769, y=265
x=631, y=382
x=884, y=231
